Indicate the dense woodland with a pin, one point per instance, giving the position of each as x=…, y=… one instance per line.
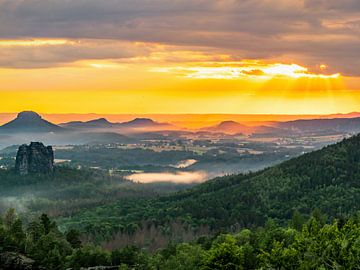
x=301, y=245
x=301, y=214
x=327, y=179
x=69, y=191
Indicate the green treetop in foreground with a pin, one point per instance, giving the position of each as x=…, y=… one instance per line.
x=311, y=245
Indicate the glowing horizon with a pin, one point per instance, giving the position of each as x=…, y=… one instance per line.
x=147, y=61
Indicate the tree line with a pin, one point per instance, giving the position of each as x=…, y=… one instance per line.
x=302, y=244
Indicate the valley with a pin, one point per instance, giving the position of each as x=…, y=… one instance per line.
x=146, y=146
x=256, y=218
x=165, y=190
x=179, y=135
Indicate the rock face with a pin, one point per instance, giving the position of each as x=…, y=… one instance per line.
x=97, y=268
x=15, y=261
x=101, y=268
x=34, y=158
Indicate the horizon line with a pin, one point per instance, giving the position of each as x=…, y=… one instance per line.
x=189, y=113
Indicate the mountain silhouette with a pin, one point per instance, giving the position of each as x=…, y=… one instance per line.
x=96, y=123
x=142, y=122
x=229, y=127
x=29, y=121
x=336, y=125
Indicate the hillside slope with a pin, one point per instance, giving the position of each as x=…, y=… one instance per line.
x=328, y=179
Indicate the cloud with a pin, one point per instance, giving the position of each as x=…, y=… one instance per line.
x=311, y=32
x=333, y=5
x=50, y=53
x=246, y=69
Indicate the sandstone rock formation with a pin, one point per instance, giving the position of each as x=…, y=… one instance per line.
x=101, y=268
x=97, y=268
x=34, y=158
x=15, y=261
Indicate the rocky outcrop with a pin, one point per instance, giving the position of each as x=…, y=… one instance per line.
x=97, y=268
x=34, y=158
x=15, y=261
x=101, y=268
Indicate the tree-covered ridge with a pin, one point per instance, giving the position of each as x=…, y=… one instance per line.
x=311, y=244
x=68, y=190
x=327, y=179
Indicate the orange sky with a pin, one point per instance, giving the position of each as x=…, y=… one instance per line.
x=174, y=57
x=155, y=86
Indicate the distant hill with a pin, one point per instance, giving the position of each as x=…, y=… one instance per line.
x=29, y=121
x=142, y=123
x=341, y=115
x=102, y=123
x=328, y=179
x=96, y=137
x=229, y=127
x=336, y=125
x=96, y=123
x=304, y=127
x=232, y=127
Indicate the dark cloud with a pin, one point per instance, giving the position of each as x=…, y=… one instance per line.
x=316, y=31
x=63, y=54
x=333, y=5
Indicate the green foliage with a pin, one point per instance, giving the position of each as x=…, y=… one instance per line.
x=316, y=246
x=50, y=250
x=73, y=237
x=127, y=255
x=297, y=220
x=69, y=191
x=183, y=257
x=264, y=202
x=225, y=254
x=130, y=256
x=88, y=256
x=47, y=224
x=326, y=179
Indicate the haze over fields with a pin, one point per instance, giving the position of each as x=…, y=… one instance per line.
x=145, y=150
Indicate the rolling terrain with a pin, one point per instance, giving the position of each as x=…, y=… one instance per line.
x=281, y=217
x=327, y=179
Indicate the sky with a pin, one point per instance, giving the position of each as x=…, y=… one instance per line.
x=180, y=56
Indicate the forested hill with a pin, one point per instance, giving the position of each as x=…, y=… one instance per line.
x=328, y=179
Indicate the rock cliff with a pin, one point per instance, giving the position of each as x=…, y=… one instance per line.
x=15, y=261
x=34, y=158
